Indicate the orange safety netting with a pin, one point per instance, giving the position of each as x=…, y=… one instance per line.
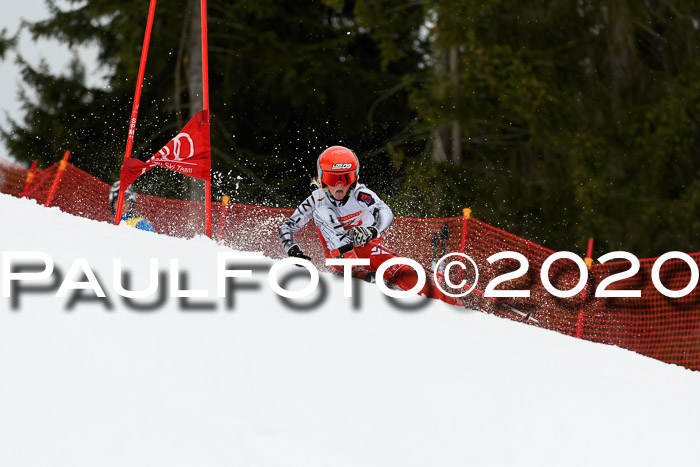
x=664, y=328
x=12, y=178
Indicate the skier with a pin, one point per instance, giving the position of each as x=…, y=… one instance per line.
x=350, y=218
x=129, y=216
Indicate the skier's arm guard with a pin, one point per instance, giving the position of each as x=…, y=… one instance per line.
x=383, y=216
x=303, y=214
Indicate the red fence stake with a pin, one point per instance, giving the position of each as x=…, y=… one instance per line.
x=584, y=293
x=466, y=214
x=224, y=212
x=61, y=168
x=28, y=181
x=589, y=253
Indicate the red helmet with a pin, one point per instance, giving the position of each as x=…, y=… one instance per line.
x=338, y=164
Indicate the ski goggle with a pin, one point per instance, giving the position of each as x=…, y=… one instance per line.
x=128, y=196
x=345, y=178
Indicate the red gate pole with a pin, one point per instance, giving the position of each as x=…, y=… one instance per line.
x=61, y=168
x=205, y=97
x=222, y=220
x=589, y=263
x=28, y=180
x=466, y=214
x=135, y=108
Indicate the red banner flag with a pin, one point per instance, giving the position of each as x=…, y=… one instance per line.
x=188, y=153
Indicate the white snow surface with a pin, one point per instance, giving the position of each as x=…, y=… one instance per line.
x=265, y=385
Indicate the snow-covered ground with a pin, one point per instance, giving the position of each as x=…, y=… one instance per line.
x=334, y=385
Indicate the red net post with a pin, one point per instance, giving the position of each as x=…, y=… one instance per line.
x=28, y=181
x=222, y=219
x=584, y=294
x=589, y=253
x=61, y=168
x=466, y=214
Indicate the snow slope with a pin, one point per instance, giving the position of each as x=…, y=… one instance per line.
x=333, y=385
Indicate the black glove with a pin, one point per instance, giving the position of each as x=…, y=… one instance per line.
x=296, y=252
x=361, y=235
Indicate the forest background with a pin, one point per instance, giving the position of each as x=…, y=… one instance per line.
x=554, y=120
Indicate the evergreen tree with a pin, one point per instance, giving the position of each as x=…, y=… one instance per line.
x=6, y=43
x=93, y=122
x=286, y=80
x=557, y=123
x=553, y=120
